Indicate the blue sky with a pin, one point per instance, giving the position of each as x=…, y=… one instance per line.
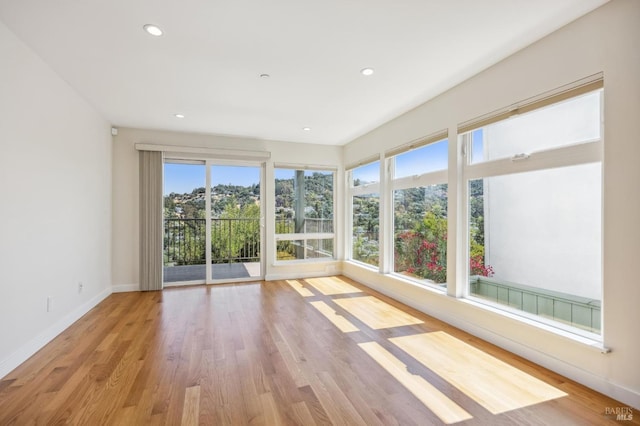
x=429, y=158
x=477, y=148
x=183, y=178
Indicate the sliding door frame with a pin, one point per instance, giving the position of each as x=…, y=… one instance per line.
x=208, y=162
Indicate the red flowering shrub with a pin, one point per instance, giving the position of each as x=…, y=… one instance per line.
x=423, y=252
x=416, y=255
x=477, y=267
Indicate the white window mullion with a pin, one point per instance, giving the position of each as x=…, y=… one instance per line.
x=347, y=242
x=371, y=188
x=308, y=236
x=457, y=251
x=590, y=152
x=426, y=179
x=208, y=207
x=386, y=215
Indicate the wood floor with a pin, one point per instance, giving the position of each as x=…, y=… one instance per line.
x=315, y=351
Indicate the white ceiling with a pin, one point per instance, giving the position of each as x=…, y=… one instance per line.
x=207, y=65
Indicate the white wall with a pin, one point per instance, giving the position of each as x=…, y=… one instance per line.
x=125, y=195
x=606, y=40
x=55, y=216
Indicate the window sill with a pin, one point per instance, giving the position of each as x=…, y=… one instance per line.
x=303, y=261
x=589, y=340
x=426, y=284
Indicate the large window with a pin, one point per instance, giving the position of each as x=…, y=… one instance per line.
x=304, y=214
x=420, y=213
x=534, y=194
x=365, y=213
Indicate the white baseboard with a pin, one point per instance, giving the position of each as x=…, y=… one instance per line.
x=124, y=288
x=299, y=276
x=8, y=364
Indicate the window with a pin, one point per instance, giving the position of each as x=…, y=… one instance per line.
x=304, y=214
x=534, y=194
x=420, y=213
x=365, y=213
x=574, y=121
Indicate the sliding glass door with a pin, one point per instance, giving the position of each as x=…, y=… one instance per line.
x=212, y=222
x=185, y=228
x=236, y=231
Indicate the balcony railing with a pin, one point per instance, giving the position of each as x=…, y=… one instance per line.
x=184, y=242
x=232, y=241
x=235, y=240
x=576, y=311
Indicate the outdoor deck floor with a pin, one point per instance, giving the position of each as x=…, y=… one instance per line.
x=222, y=271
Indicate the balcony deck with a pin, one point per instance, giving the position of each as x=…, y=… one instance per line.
x=220, y=271
x=577, y=311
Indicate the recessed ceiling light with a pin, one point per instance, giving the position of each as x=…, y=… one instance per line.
x=306, y=129
x=264, y=76
x=154, y=30
x=366, y=71
x=178, y=115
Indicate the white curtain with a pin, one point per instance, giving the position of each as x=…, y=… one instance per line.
x=150, y=220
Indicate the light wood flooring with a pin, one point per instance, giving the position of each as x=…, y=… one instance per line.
x=305, y=352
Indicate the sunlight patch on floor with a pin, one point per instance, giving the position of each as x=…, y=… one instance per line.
x=492, y=383
x=376, y=313
x=443, y=407
x=330, y=286
x=297, y=286
x=339, y=321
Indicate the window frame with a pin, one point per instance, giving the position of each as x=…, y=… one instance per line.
x=420, y=180
x=302, y=236
x=586, y=152
x=360, y=190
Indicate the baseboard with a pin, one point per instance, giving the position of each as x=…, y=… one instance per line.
x=298, y=276
x=124, y=288
x=8, y=364
x=586, y=378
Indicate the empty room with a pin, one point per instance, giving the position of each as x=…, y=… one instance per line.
x=297, y=213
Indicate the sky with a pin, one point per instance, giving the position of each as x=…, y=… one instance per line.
x=428, y=158
x=184, y=178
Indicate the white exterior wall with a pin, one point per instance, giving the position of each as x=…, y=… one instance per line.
x=126, y=208
x=55, y=220
x=606, y=41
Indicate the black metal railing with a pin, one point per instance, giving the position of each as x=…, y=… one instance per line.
x=232, y=240
x=184, y=242
x=235, y=240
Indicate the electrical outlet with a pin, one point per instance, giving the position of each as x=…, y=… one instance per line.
x=49, y=303
x=80, y=286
